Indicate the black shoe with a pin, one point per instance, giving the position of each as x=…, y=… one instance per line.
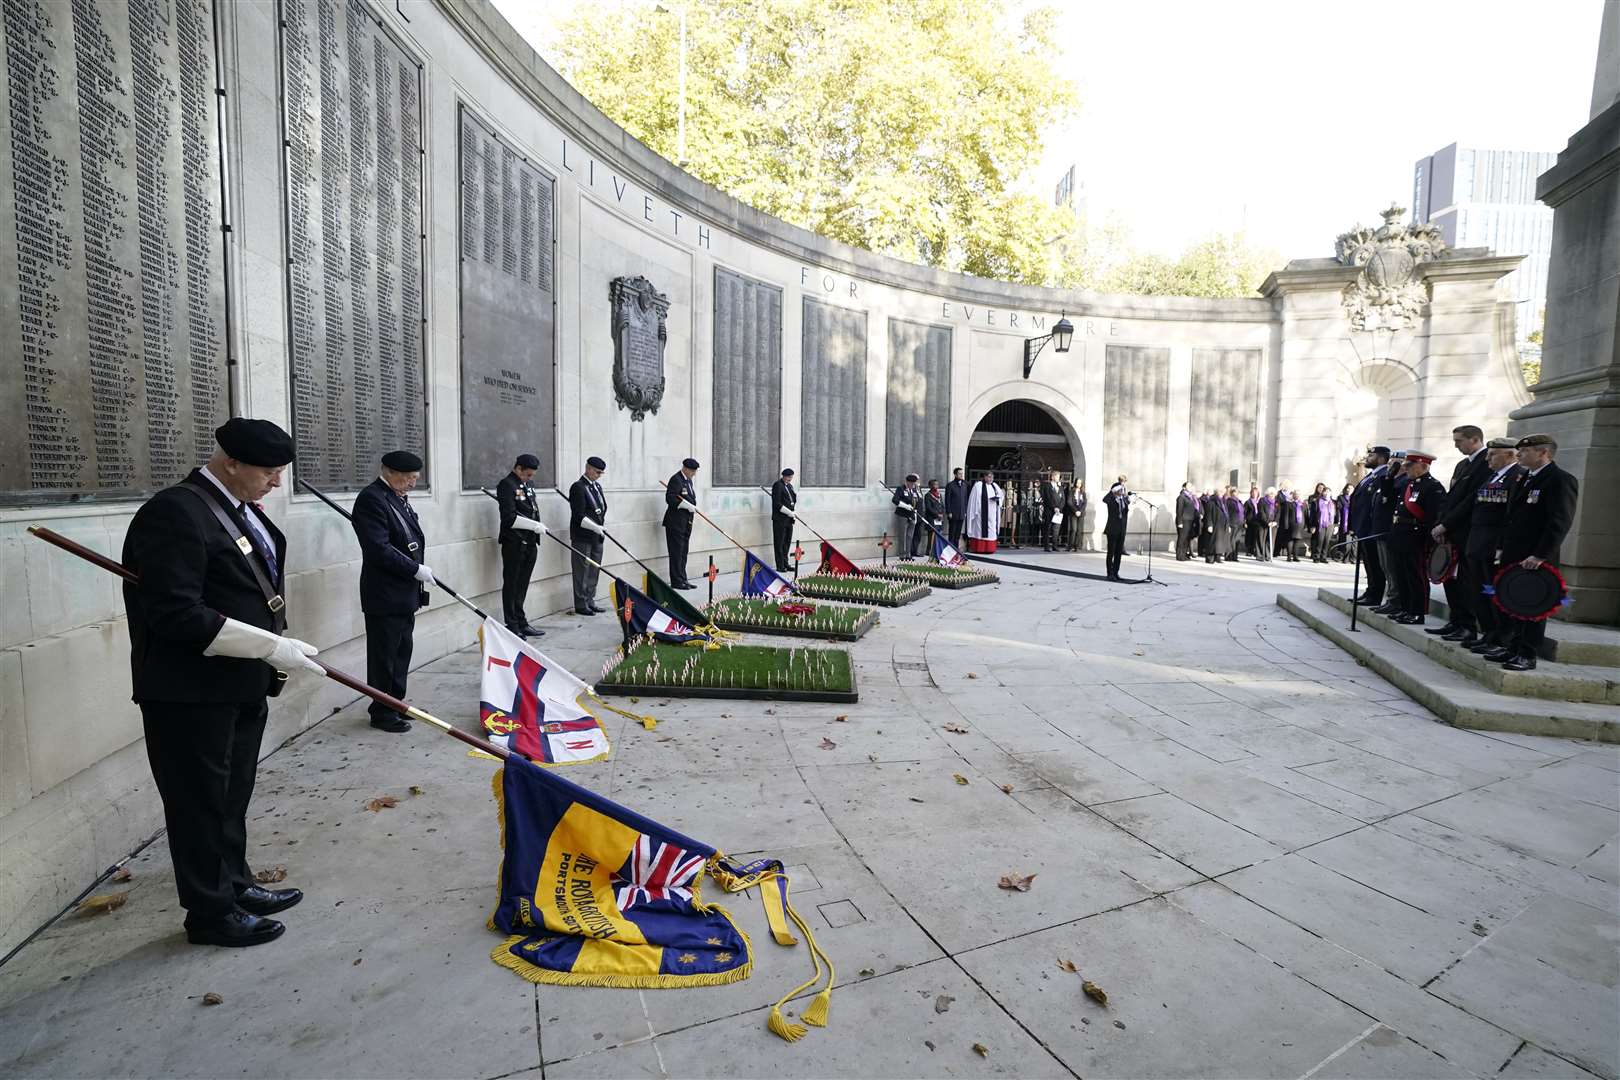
x=1367, y=600
x=258, y=900
x=1406, y=619
x=1483, y=645
x=1449, y=628
x=1500, y=654
x=521, y=629
x=1386, y=609
x=236, y=929
x=1520, y=663
x=393, y=723
x=684, y=585
x=532, y=631
x=1460, y=636
x=584, y=611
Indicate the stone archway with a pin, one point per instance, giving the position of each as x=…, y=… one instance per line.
x=1021, y=437
x=1378, y=401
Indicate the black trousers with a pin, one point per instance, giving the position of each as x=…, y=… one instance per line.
x=1409, y=559
x=1524, y=636
x=1185, y=534
x=955, y=533
x=586, y=543
x=678, y=540
x=1051, y=535
x=1482, y=570
x=388, y=656
x=1460, y=592
x=205, y=759
x=1116, y=549
x=1321, y=540
x=781, y=540
x=1372, y=567
x=517, y=566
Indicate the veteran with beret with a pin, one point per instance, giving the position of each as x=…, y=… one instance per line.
x=207, y=647
x=519, y=538
x=393, y=578
x=1540, y=511
x=680, y=507
x=587, y=524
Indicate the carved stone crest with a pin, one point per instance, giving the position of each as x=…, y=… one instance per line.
x=1388, y=294
x=639, y=335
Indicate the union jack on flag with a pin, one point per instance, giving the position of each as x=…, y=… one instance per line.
x=655, y=871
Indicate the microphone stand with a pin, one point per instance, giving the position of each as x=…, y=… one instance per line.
x=1153, y=506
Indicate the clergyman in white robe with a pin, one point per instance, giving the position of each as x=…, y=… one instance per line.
x=983, y=515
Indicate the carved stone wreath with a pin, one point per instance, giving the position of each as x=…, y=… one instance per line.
x=1387, y=294
x=640, y=333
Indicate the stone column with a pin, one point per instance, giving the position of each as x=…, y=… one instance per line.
x=1577, y=400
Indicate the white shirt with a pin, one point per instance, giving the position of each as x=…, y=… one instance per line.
x=1503, y=471
x=1538, y=468
x=252, y=519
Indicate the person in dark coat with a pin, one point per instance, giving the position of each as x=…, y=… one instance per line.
x=1077, y=513
x=933, y=513
x=1364, y=503
x=1452, y=528
x=207, y=647
x=519, y=539
x=1487, y=516
x=1118, y=504
x=1539, y=515
x=1421, y=498
x=907, y=502
x=587, y=525
x=1290, y=522
x=1253, y=526
x=956, y=493
x=1319, y=520
x=393, y=578
x=1390, y=487
x=1051, y=511
x=784, y=512
x=1343, y=551
x=1234, y=524
x=680, y=509
x=1189, y=512
x=1213, y=517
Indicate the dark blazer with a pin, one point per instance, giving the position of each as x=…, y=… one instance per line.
x=1288, y=522
x=1488, y=510
x=956, y=496
x=1118, y=508
x=392, y=546
x=193, y=577
x=1540, y=511
x=584, y=503
x=679, y=488
x=1458, y=507
x=1188, y=509
x=782, y=494
x=1364, y=502
x=1051, y=499
x=912, y=497
x=515, y=498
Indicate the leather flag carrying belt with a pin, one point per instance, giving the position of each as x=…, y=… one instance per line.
x=272, y=599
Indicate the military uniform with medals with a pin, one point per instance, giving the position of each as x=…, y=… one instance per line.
x=1421, y=498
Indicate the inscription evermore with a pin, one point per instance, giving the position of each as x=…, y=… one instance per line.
x=639, y=335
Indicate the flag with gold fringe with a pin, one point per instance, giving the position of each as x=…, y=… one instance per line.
x=670, y=599
x=639, y=614
x=838, y=564
x=530, y=704
x=594, y=894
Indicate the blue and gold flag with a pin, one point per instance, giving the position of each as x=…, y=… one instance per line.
x=760, y=580
x=641, y=615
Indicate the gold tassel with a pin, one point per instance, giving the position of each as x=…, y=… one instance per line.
x=816, y=1012
x=647, y=721
x=779, y=1026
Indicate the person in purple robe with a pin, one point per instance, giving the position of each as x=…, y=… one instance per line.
x=1234, y=524
x=1343, y=551
x=1252, y=525
x=1319, y=520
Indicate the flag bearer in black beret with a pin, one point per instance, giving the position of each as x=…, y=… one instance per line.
x=1415, y=514
x=680, y=507
x=519, y=538
x=1539, y=514
x=207, y=648
x=784, y=511
x=393, y=578
x=587, y=522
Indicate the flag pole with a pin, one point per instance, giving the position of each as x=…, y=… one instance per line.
x=610, y=536
x=569, y=546
x=321, y=495
x=800, y=520
x=710, y=520
x=402, y=707
x=919, y=516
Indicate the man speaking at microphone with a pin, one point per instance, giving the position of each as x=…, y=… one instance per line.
x=206, y=650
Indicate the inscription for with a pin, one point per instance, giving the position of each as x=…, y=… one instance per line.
x=354, y=240
x=113, y=308
x=639, y=335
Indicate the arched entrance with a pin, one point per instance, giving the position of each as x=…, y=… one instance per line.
x=1021, y=439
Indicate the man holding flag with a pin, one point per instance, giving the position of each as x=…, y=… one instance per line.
x=680, y=504
x=784, y=512
x=587, y=521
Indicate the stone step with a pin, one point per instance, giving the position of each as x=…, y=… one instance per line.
x=1551, y=680
x=1566, y=642
x=1451, y=695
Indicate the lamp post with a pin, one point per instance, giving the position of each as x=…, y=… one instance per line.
x=680, y=123
x=1062, y=334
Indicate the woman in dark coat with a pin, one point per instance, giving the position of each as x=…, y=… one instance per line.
x=1343, y=551
x=1319, y=520
x=1253, y=527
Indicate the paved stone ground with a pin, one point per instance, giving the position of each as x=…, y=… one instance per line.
x=1275, y=864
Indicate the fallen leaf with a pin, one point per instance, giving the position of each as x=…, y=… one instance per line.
x=959, y=778
x=1139, y=652
x=1478, y=927
x=1016, y=881
x=827, y=744
x=725, y=716
x=770, y=712
x=871, y=757
x=212, y=998
x=928, y=1043
x=1121, y=1025
x=635, y=701
x=973, y=675
x=981, y=1049
x=271, y=876
x=1067, y=965
x=841, y=719
x=867, y=971
x=956, y=729
x=102, y=902
x=943, y=1003
x=121, y=874
x=1085, y=1019
x=1007, y=788
x=416, y=789
x=914, y=798
x=382, y=802
x=1095, y=992
x=357, y=961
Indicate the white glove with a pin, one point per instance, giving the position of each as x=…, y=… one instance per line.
x=790, y=512
x=251, y=643
x=529, y=525
x=907, y=507
x=424, y=575
x=593, y=525
x=689, y=507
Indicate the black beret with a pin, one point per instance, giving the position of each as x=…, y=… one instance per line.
x=787, y=472
x=690, y=463
x=254, y=442
x=402, y=461
x=596, y=463
x=910, y=477
x=1384, y=450
x=526, y=461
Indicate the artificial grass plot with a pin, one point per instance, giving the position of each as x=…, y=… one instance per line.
x=860, y=590
x=760, y=672
x=829, y=622
x=931, y=573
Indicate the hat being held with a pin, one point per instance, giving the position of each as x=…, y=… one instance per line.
x=526, y=461
x=402, y=461
x=254, y=442
x=690, y=463
x=595, y=462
